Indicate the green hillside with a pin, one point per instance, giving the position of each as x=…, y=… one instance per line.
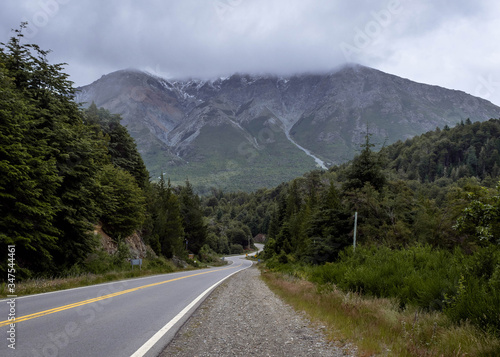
x=222, y=157
x=469, y=149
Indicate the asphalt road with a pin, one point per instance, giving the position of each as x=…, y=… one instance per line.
x=136, y=317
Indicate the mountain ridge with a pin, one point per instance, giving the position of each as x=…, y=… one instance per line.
x=258, y=125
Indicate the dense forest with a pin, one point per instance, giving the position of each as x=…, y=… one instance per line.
x=470, y=149
x=399, y=197
x=65, y=170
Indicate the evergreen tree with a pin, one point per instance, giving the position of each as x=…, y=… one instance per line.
x=293, y=201
x=471, y=160
x=57, y=180
x=121, y=201
x=28, y=183
x=194, y=226
x=168, y=221
x=329, y=228
x=64, y=143
x=365, y=168
x=121, y=146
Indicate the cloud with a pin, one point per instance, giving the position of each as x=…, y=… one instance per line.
x=443, y=42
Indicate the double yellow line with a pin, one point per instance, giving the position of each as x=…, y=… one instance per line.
x=89, y=301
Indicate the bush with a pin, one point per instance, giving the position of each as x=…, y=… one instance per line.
x=159, y=263
x=208, y=255
x=236, y=249
x=475, y=302
x=98, y=262
x=122, y=255
x=193, y=262
x=477, y=295
x=465, y=287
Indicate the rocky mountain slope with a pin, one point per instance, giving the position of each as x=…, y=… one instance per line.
x=247, y=131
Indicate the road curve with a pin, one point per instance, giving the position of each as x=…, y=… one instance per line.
x=136, y=317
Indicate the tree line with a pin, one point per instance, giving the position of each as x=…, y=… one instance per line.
x=470, y=149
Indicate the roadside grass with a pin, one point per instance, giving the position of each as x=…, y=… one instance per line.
x=44, y=285
x=103, y=268
x=377, y=326
x=151, y=266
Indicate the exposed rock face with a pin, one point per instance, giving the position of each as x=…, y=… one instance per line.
x=136, y=246
x=134, y=242
x=251, y=131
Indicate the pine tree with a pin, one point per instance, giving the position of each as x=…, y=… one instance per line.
x=194, y=226
x=329, y=228
x=365, y=168
x=121, y=201
x=28, y=183
x=168, y=221
x=121, y=146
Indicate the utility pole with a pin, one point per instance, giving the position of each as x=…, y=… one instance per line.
x=355, y=226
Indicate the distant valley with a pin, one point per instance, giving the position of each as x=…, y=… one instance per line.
x=244, y=132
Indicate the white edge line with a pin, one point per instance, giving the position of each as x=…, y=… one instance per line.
x=157, y=336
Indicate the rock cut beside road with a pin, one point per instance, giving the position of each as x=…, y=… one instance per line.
x=243, y=317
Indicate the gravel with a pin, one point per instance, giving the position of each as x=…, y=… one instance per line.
x=242, y=317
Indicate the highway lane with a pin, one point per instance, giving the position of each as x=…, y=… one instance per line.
x=112, y=319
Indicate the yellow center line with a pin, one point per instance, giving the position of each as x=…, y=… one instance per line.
x=89, y=301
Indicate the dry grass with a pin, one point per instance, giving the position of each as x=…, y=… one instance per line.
x=377, y=326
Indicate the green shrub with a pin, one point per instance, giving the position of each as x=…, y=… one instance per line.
x=193, y=262
x=208, y=255
x=477, y=295
x=466, y=287
x=121, y=256
x=160, y=264
x=99, y=262
x=236, y=249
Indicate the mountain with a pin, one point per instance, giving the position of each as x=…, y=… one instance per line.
x=249, y=131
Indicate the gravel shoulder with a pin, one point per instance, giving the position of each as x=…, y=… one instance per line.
x=243, y=317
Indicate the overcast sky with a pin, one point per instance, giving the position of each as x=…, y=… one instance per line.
x=450, y=43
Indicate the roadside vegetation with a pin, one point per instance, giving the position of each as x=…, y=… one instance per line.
x=379, y=326
x=115, y=272
x=427, y=239
x=102, y=267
